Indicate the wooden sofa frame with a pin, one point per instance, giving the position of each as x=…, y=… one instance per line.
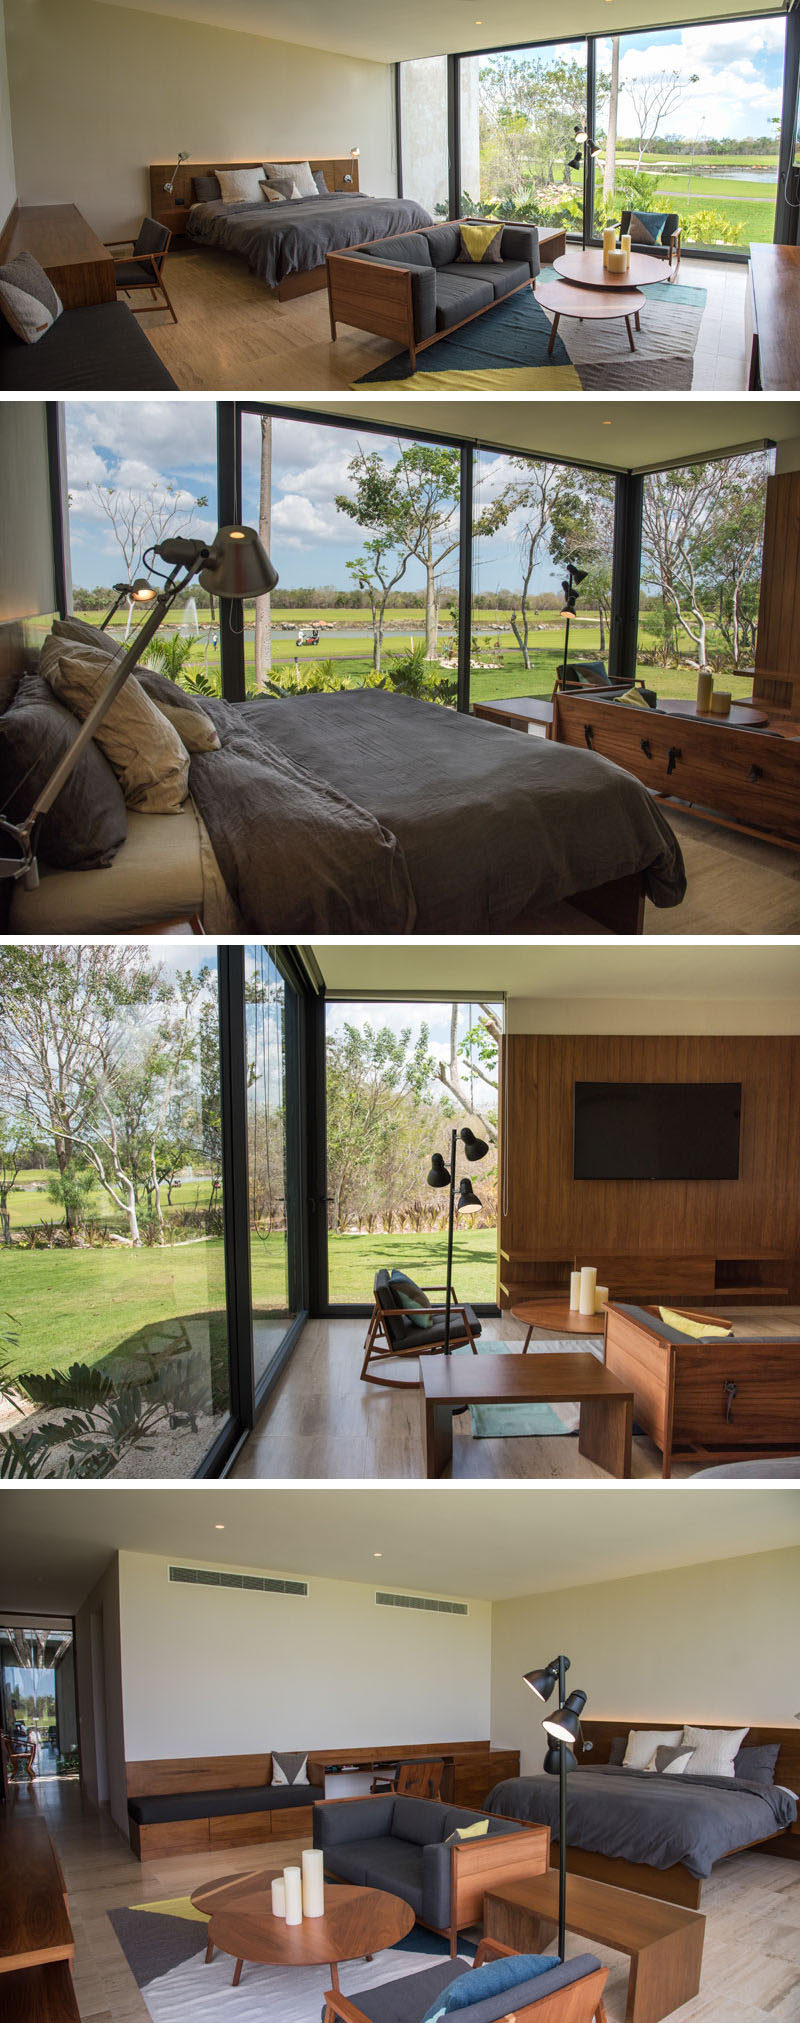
x=580, y=2002
x=717, y=1401
x=376, y=295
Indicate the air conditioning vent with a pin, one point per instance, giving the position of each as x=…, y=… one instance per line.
x=426, y=1602
x=264, y=1584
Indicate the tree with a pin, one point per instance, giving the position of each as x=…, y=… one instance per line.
x=15, y=1152
x=376, y=1081
x=528, y=113
x=263, y=631
x=653, y=95
x=140, y=517
x=478, y=1052
x=418, y=504
x=702, y=531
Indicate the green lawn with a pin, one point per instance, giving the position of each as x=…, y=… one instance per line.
x=90, y=1305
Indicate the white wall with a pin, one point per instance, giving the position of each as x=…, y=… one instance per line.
x=98, y=1671
x=99, y=92
x=213, y=1671
x=27, y=582
x=8, y=187
x=712, y=1643
x=657, y=1015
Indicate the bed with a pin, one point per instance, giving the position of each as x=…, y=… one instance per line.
x=286, y=244
x=364, y=812
x=659, y=1835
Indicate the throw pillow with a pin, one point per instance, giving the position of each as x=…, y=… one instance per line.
x=646, y=227
x=671, y=1762
x=87, y=635
x=186, y=715
x=86, y=824
x=240, y=186
x=481, y=1983
x=697, y=1331
x=642, y=1744
x=758, y=1764
x=407, y=1294
x=319, y=179
x=28, y=300
x=205, y=190
x=476, y=1832
x=150, y=762
x=481, y=244
x=715, y=1750
x=274, y=196
x=633, y=696
x=292, y=172
x=616, y=1754
x=290, y=1767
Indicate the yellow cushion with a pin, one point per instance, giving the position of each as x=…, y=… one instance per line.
x=470, y=1832
x=633, y=695
x=699, y=1330
x=478, y=242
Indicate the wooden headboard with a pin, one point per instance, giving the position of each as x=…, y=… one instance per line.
x=787, y=1768
x=340, y=172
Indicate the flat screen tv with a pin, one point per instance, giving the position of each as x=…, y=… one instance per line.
x=657, y=1130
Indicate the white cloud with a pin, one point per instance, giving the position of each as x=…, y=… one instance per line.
x=301, y=523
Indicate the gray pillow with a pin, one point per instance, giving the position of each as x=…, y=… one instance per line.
x=758, y=1763
x=665, y=1757
x=86, y=824
x=28, y=300
x=320, y=182
x=85, y=634
x=290, y=1761
x=444, y=245
x=205, y=189
x=411, y=249
x=284, y=188
x=616, y=1753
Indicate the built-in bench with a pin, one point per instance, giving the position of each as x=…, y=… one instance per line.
x=102, y=346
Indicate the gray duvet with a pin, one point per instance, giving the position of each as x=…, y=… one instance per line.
x=277, y=240
x=639, y=1817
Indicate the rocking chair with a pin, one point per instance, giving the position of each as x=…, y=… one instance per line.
x=396, y=1329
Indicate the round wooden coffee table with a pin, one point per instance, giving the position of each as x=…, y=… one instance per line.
x=586, y=270
x=357, y=1923
x=557, y=1317
x=590, y=305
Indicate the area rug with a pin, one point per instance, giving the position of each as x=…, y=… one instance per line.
x=506, y=351
x=518, y=1422
x=164, y=1944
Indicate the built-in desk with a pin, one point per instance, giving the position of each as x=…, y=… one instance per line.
x=73, y=258
x=773, y=319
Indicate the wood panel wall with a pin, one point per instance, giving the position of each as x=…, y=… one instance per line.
x=164, y=1776
x=553, y=1217
x=777, y=656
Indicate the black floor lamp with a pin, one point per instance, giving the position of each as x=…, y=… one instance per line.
x=570, y=585
x=563, y=1728
x=467, y=1204
x=586, y=147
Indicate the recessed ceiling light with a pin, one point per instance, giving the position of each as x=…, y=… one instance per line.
x=377, y=1555
x=219, y=1527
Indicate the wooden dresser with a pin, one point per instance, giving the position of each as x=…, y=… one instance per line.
x=773, y=318
x=73, y=258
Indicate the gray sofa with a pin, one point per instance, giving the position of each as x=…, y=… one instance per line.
x=413, y=287
x=402, y=1845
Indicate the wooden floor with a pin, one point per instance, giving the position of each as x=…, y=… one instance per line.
x=322, y=1422
x=736, y=884
x=752, y=1904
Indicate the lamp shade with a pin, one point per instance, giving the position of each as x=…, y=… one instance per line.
x=578, y=575
x=238, y=565
x=542, y=1682
x=552, y=1761
x=142, y=592
x=468, y=1202
x=565, y=1724
x=438, y=1176
x=474, y=1148
x=575, y=161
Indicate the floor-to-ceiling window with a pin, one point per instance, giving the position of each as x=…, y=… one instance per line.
x=689, y=120
x=542, y=515
x=400, y=1076
x=38, y=1703
x=702, y=537
x=518, y=113
x=423, y=132
x=270, y=1012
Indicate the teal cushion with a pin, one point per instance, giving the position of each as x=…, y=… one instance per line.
x=653, y=221
x=493, y=1979
x=407, y=1294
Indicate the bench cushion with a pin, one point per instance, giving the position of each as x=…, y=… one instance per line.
x=503, y=275
x=444, y=242
x=458, y=297
x=103, y=346
x=159, y=1809
x=667, y=1334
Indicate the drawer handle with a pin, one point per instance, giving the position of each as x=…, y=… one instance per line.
x=589, y=736
x=673, y=755
x=729, y=1391
x=647, y=748
x=755, y=773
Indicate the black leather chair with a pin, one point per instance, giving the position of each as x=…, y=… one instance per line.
x=668, y=241
x=405, y=1330
x=143, y=266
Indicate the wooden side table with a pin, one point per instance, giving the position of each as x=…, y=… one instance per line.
x=664, y=1941
x=557, y=1317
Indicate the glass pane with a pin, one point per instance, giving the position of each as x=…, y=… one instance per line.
x=138, y=472
x=400, y=1078
x=265, y=1003
x=519, y=110
x=537, y=517
x=689, y=121
x=38, y=1705
x=703, y=531
x=423, y=132
x=363, y=530
x=112, y=1223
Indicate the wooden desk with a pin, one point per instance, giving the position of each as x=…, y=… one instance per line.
x=73, y=258
x=516, y=712
x=34, y=1925
x=664, y=1941
x=449, y=1383
x=773, y=285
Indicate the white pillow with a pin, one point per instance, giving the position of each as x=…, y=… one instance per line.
x=240, y=186
x=643, y=1743
x=714, y=1750
x=292, y=172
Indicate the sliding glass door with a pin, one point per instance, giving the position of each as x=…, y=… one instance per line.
x=518, y=113
x=273, y=1154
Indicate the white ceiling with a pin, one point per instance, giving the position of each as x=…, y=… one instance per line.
x=619, y=431
x=557, y=969
x=493, y=1541
x=386, y=32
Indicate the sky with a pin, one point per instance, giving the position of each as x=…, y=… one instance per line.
x=400, y=1017
x=131, y=445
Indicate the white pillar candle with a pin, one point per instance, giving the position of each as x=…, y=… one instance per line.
x=625, y=243
x=616, y=262
x=609, y=241
x=600, y=1297
x=574, y=1291
x=588, y=1283
x=293, y=1885
x=313, y=1882
x=721, y=702
x=705, y=689
x=278, y=1897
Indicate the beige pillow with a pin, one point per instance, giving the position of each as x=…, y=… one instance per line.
x=194, y=728
x=643, y=1742
x=292, y=172
x=240, y=186
x=151, y=763
x=715, y=1750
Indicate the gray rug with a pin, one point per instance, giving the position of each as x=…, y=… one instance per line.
x=665, y=345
